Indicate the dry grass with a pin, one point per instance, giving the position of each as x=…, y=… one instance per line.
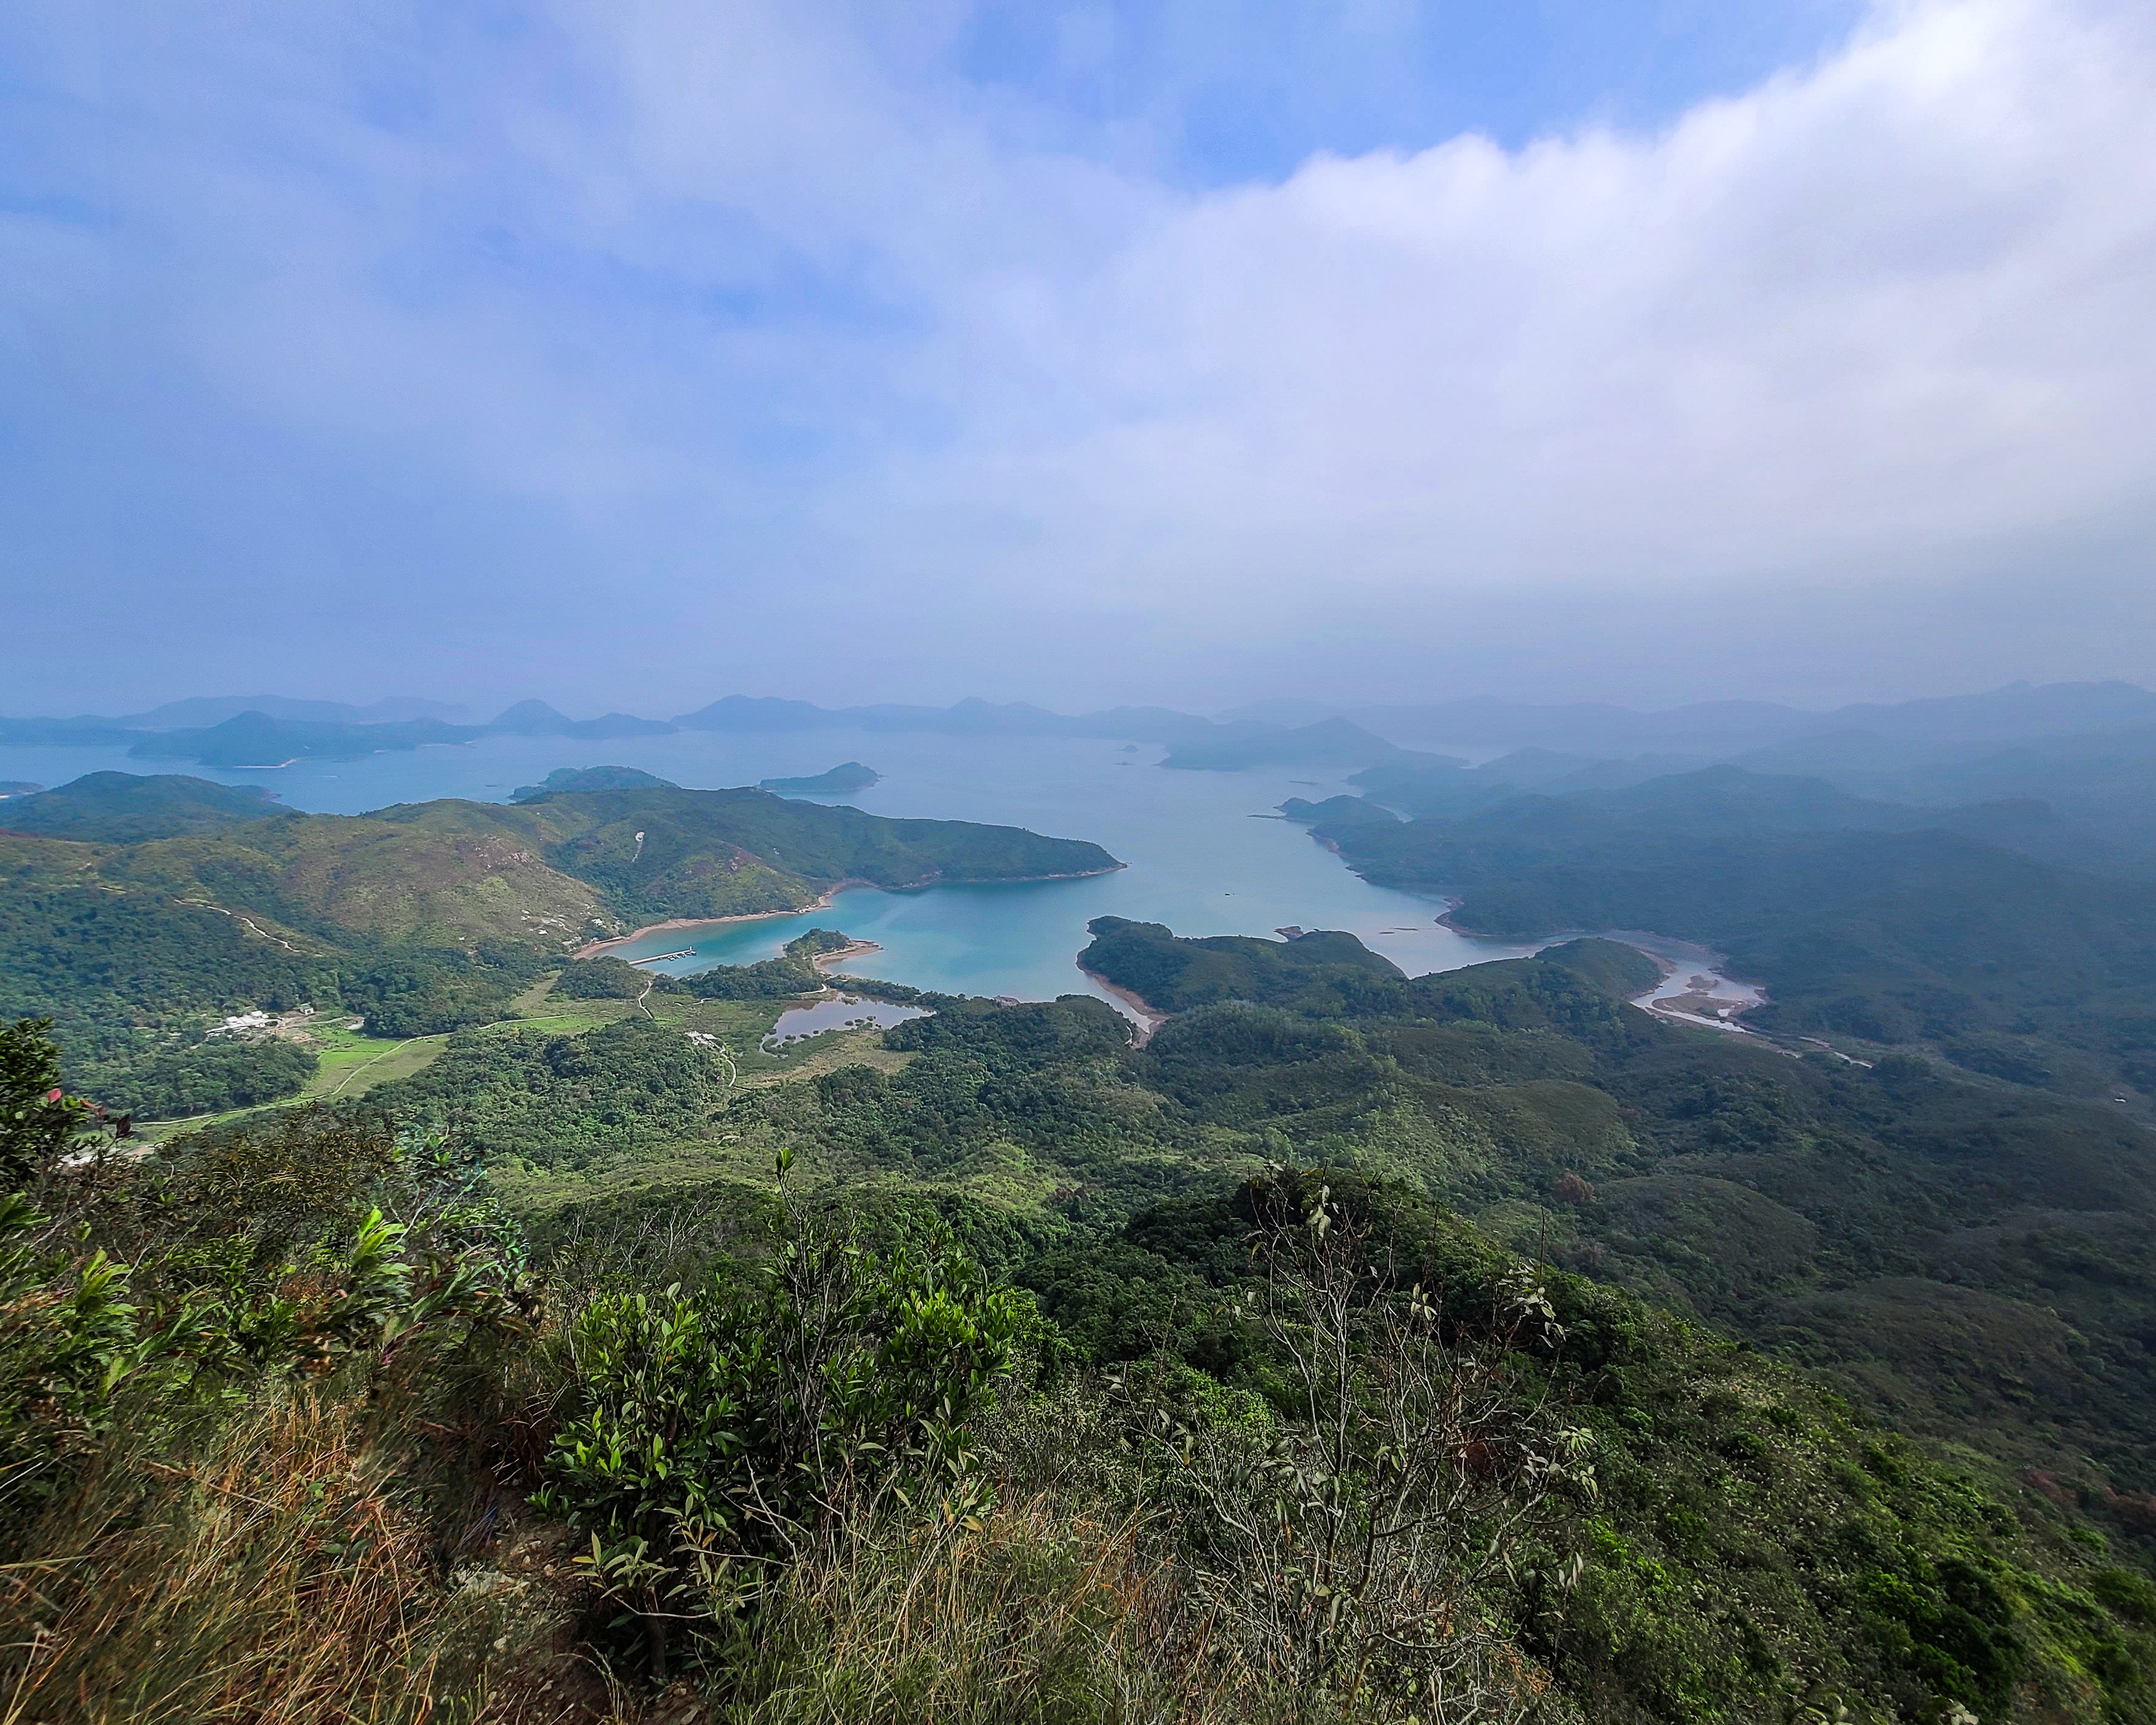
x=277, y=1578
x=1028, y=1613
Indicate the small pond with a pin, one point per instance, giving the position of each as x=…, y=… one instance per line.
x=842, y=1012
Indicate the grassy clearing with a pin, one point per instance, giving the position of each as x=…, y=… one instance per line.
x=354, y=1063
x=532, y=1191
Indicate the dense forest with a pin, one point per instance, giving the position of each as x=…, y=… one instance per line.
x=1880, y=927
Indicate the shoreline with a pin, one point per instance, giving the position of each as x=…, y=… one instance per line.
x=595, y=948
x=839, y=955
x=1150, y=1017
x=1671, y=1009
x=592, y=949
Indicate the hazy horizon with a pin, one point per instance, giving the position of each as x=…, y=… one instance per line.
x=466, y=710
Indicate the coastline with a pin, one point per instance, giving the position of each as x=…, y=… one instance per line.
x=839, y=955
x=823, y=902
x=1701, y=1010
x=592, y=949
x=1150, y=1017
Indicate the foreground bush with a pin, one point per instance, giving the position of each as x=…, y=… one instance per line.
x=711, y=1434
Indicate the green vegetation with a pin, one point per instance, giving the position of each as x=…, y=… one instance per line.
x=549, y=1099
x=725, y=853
x=1962, y=1255
x=210, y=1077
x=423, y=920
x=605, y=978
x=817, y=941
x=1173, y=975
x=2005, y=964
x=1363, y=1346
x=126, y=808
x=847, y=776
x=1304, y=1444
x=591, y=779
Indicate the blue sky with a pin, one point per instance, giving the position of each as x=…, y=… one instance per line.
x=1212, y=94
x=629, y=355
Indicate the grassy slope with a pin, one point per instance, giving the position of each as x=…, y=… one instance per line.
x=717, y=853
x=426, y=918
x=551, y=873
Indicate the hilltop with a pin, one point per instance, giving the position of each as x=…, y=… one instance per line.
x=126, y=808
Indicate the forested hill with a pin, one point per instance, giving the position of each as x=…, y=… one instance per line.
x=1978, y=1259
x=1424, y=1303
x=1879, y=927
x=677, y=853
x=422, y=919
x=458, y=871
x=127, y=808
x=1173, y=975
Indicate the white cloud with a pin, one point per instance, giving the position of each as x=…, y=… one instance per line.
x=1864, y=321
x=719, y=296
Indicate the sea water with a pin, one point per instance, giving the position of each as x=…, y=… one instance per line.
x=1205, y=853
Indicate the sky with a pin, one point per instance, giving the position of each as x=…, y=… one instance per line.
x=629, y=355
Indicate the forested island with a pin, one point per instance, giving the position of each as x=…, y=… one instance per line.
x=847, y=776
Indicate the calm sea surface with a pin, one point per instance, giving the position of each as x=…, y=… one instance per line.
x=1207, y=854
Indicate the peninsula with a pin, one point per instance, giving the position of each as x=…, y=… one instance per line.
x=851, y=775
x=420, y=920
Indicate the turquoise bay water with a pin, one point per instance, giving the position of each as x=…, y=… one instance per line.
x=1205, y=852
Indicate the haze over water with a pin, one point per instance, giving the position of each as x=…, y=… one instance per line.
x=1206, y=852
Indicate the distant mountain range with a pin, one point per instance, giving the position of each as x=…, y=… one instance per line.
x=1870, y=747
x=1724, y=728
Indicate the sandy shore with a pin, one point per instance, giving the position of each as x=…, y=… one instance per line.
x=673, y=923
x=839, y=955
x=1150, y=1020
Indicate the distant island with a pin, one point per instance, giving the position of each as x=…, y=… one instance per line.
x=564, y=779
x=851, y=775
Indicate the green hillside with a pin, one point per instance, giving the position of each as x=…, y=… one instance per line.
x=1361, y=1347
x=127, y=808
x=720, y=852
x=847, y=776
x=424, y=919
x=1053, y=1299
x=1964, y=1254
x=2004, y=963
x=1175, y=974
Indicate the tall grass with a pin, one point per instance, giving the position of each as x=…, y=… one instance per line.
x=1027, y=1613
x=277, y=1576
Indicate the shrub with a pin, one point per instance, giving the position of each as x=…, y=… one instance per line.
x=713, y=1431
